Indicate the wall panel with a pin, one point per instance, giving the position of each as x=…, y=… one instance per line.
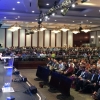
x=28, y=40
x=34, y=39
x=41, y=39
x=15, y=38
x=47, y=37
x=22, y=38
x=52, y=39
x=70, y=39
x=58, y=40
x=2, y=37
x=64, y=39
x=9, y=38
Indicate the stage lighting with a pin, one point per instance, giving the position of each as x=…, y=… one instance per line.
x=53, y=14
x=65, y=10
x=73, y=5
x=62, y=10
x=82, y=1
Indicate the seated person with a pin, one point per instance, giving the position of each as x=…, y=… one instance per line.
x=85, y=75
x=69, y=71
x=90, y=83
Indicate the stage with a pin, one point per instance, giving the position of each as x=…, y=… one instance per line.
x=19, y=88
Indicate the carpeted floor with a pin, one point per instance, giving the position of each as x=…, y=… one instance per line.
x=31, y=75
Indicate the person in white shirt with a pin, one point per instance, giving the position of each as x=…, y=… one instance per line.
x=98, y=63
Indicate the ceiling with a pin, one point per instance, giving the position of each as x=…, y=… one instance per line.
x=27, y=11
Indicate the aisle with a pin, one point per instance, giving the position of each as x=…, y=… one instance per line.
x=30, y=74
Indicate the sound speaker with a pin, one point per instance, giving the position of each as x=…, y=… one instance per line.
x=33, y=89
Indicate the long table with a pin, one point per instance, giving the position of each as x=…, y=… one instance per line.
x=19, y=88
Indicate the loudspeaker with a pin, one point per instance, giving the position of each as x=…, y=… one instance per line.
x=33, y=89
x=10, y=98
x=23, y=79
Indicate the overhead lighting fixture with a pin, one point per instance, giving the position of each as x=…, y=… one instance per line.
x=42, y=28
x=73, y=5
x=62, y=10
x=85, y=15
x=13, y=8
x=73, y=21
x=33, y=11
x=18, y=16
x=14, y=27
x=56, y=30
x=87, y=20
x=32, y=22
x=86, y=29
x=55, y=20
x=75, y=31
x=53, y=14
x=47, y=4
x=64, y=29
x=15, y=18
x=35, y=19
x=18, y=2
x=90, y=22
x=81, y=21
x=5, y=17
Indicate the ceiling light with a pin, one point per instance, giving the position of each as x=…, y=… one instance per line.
x=14, y=27
x=86, y=29
x=75, y=31
x=99, y=10
x=18, y=2
x=87, y=20
x=13, y=8
x=62, y=10
x=47, y=4
x=35, y=19
x=18, y=16
x=73, y=5
x=33, y=11
x=32, y=22
x=64, y=29
x=53, y=14
x=56, y=30
x=46, y=17
x=5, y=17
x=85, y=15
x=81, y=21
x=90, y=22
x=55, y=20
x=73, y=21
x=15, y=18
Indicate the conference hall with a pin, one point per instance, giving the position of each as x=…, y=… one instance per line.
x=49, y=49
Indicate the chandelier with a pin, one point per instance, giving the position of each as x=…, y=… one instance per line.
x=64, y=29
x=14, y=27
x=56, y=30
x=86, y=30
x=75, y=31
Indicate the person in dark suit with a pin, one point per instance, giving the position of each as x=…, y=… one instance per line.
x=81, y=79
x=89, y=85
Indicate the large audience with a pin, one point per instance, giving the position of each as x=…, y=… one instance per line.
x=84, y=71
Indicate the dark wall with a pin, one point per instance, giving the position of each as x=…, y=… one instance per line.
x=81, y=38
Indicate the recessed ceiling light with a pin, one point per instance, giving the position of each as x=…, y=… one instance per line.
x=32, y=22
x=99, y=10
x=35, y=19
x=33, y=11
x=15, y=18
x=18, y=16
x=73, y=21
x=73, y=5
x=7, y=21
x=55, y=20
x=53, y=14
x=81, y=21
x=85, y=15
x=90, y=22
x=87, y=20
x=13, y=8
x=47, y=4
x=5, y=17
x=62, y=10
x=18, y=2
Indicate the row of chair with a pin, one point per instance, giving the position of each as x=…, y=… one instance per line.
x=57, y=81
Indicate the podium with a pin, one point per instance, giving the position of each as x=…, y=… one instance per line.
x=7, y=77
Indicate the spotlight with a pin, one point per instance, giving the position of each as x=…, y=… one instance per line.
x=53, y=14
x=62, y=10
x=73, y=5
x=46, y=17
x=82, y=1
